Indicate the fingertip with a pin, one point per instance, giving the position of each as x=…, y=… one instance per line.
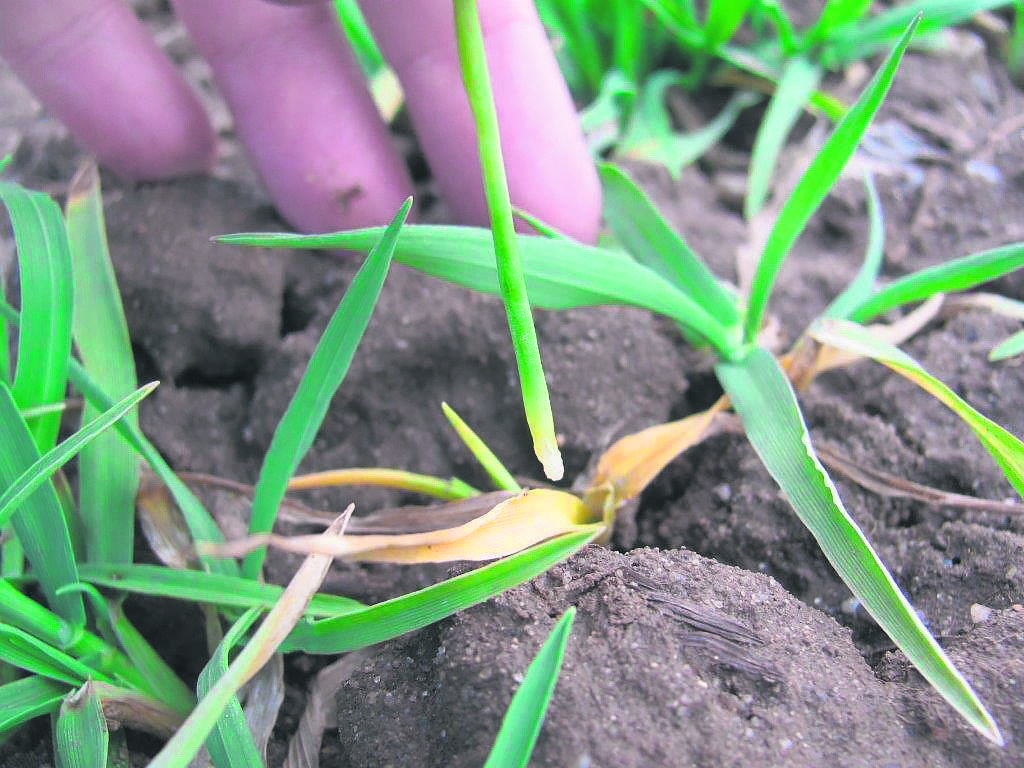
x=550, y=171
x=179, y=142
x=302, y=110
x=94, y=67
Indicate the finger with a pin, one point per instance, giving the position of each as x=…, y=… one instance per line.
x=93, y=66
x=550, y=172
x=302, y=110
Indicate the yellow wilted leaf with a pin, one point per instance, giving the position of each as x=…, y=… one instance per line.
x=1004, y=447
x=510, y=526
x=632, y=462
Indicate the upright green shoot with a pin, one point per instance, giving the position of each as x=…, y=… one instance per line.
x=327, y=367
x=816, y=182
x=536, y=401
x=525, y=715
x=107, y=469
x=44, y=340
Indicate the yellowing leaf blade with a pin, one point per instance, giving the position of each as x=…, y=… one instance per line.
x=1005, y=448
x=633, y=461
x=509, y=526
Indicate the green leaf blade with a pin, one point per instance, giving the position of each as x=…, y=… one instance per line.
x=392, y=618
x=28, y=698
x=44, y=343
x=536, y=399
x=39, y=521
x=230, y=743
x=25, y=651
x=1006, y=449
x=767, y=405
x=1008, y=347
x=54, y=459
x=560, y=274
x=525, y=715
x=327, y=367
x=800, y=78
x=108, y=469
x=817, y=180
x=858, y=290
x=198, y=586
x=957, y=275
x=650, y=240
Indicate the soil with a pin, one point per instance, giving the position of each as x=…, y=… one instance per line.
x=782, y=667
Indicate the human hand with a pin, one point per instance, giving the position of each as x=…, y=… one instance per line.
x=301, y=107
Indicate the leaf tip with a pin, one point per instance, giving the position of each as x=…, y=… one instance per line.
x=551, y=460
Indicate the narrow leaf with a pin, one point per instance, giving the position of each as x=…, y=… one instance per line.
x=800, y=78
x=29, y=698
x=1005, y=448
x=499, y=475
x=560, y=274
x=857, y=41
x=860, y=287
x=956, y=275
x=230, y=743
x=39, y=521
x=201, y=587
x=649, y=239
x=264, y=643
x=536, y=401
x=24, y=613
x=161, y=680
x=650, y=135
x=323, y=376
x=403, y=614
x=41, y=469
x=44, y=343
x=22, y=650
x=1008, y=347
x=199, y=521
x=816, y=182
x=525, y=714
x=767, y=405
x=108, y=469
x=448, y=489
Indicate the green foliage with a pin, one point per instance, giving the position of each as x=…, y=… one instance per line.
x=39, y=521
x=67, y=656
x=525, y=714
x=661, y=273
x=816, y=181
x=44, y=340
x=327, y=367
x=624, y=83
x=767, y=405
x=377, y=623
x=536, y=402
x=107, y=469
x=80, y=734
x=230, y=744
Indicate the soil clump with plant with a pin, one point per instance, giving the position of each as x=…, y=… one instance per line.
x=769, y=660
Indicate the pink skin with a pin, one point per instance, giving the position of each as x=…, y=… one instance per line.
x=301, y=107
x=65, y=52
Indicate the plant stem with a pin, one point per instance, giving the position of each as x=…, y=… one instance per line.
x=536, y=402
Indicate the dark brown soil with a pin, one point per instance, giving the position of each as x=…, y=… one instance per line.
x=807, y=679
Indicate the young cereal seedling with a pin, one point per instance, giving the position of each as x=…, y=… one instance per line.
x=611, y=51
x=81, y=661
x=660, y=273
